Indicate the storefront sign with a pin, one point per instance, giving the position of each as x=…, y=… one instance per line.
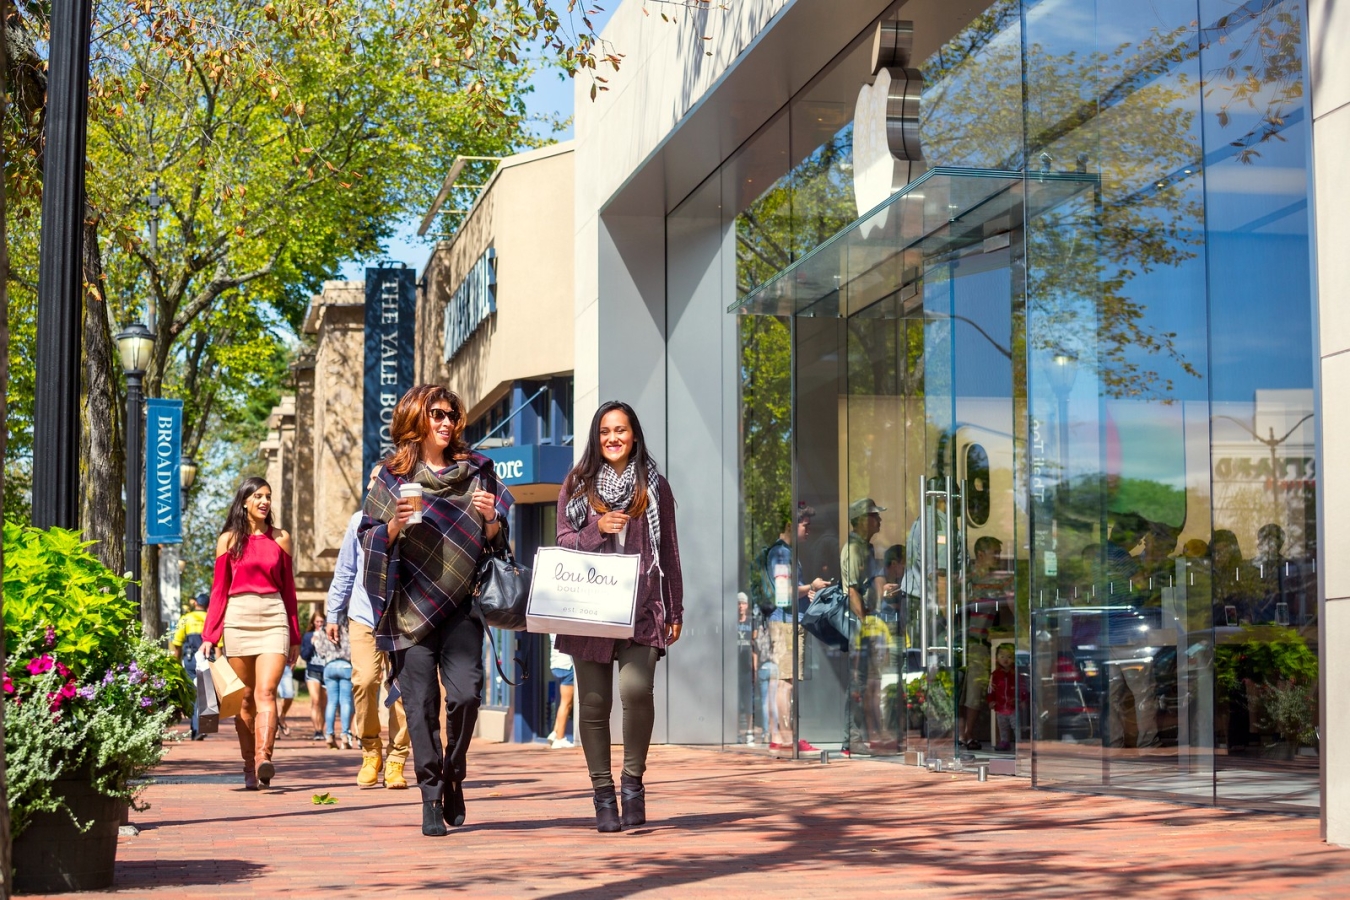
x=472, y=302
x=531, y=463
x=391, y=306
x=163, y=481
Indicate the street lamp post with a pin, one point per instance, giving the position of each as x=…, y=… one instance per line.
x=187, y=474
x=154, y=201
x=134, y=346
x=56, y=396
x=1063, y=373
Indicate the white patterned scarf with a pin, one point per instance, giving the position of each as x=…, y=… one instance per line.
x=616, y=492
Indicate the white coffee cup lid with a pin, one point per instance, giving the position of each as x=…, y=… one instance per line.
x=410, y=488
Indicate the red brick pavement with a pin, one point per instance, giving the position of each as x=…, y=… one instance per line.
x=723, y=823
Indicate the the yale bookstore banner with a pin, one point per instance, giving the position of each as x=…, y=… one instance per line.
x=391, y=304
x=163, y=477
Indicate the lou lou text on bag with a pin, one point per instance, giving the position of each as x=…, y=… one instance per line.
x=586, y=594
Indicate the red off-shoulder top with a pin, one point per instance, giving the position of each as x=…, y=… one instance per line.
x=263, y=568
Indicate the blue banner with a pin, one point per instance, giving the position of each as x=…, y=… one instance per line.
x=163, y=478
x=391, y=309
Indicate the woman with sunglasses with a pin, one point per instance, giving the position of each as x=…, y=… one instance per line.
x=422, y=572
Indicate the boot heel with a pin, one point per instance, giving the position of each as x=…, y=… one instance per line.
x=607, y=811
x=634, y=802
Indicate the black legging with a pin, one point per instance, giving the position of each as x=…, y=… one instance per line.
x=455, y=651
x=595, y=698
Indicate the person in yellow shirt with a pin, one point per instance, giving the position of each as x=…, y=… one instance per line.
x=185, y=642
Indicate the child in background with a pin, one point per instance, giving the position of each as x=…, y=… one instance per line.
x=1003, y=697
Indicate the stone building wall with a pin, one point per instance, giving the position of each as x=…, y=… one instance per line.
x=313, y=446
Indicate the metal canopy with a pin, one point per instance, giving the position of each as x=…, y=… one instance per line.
x=946, y=211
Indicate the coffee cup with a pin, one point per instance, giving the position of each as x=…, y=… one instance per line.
x=413, y=492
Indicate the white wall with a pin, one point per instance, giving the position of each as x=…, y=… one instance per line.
x=1329, y=36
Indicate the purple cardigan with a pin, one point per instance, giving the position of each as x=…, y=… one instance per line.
x=660, y=600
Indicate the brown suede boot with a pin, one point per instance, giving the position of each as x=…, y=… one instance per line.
x=265, y=735
x=244, y=731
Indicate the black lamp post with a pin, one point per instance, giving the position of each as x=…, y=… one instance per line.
x=187, y=474
x=135, y=346
x=56, y=400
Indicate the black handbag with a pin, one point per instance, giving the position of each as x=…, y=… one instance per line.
x=829, y=618
x=501, y=591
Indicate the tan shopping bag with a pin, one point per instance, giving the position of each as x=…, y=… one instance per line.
x=229, y=688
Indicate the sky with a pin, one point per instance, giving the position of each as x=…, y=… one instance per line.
x=552, y=96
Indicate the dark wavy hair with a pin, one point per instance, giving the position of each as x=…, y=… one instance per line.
x=411, y=424
x=583, y=477
x=236, y=520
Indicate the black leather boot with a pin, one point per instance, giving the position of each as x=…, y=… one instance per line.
x=433, y=824
x=634, y=802
x=607, y=811
x=454, y=808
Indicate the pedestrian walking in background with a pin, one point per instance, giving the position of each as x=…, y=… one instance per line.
x=187, y=640
x=615, y=501
x=252, y=613
x=318, y=701
x=564, y=672
x=332, y=648
x=348, y=600
x=285, y=697
x=436, y=507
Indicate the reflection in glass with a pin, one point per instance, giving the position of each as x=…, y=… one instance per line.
x=1091, y=317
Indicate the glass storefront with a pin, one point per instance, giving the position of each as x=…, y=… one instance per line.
x=1037, y=415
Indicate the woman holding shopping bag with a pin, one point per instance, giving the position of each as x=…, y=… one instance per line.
x=615, y=501
x=433, y=511
x=253, y=613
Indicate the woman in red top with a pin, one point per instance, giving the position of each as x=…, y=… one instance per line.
x=253, y=614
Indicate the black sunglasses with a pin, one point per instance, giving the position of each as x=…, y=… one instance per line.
x=439, y=415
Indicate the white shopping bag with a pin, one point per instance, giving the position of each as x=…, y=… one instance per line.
x=208, y=705
x=588, y=594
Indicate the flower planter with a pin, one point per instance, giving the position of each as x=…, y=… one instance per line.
x=53, y=856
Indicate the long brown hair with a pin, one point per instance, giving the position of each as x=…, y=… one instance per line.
x=411, y=424
x=585, y=474
x=236, y=520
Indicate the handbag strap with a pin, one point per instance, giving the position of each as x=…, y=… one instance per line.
x=476, y=614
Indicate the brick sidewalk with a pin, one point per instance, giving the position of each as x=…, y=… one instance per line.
x=723, y=823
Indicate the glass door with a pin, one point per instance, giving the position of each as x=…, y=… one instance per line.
x=971, y=649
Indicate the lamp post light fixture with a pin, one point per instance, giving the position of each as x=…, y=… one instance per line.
x=187, y=474
x=135, y=345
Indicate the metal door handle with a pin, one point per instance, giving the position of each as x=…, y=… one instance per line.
x=951, y=644
x=923, y=571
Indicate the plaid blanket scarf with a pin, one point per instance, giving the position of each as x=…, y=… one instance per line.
x=418, y=580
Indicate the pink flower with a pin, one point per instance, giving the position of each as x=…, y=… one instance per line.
x=40, y=666
x=9, y=684
x=62, y=670
x=50, y=637
x=68, y=690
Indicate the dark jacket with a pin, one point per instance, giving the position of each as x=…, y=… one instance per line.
x=660, y=596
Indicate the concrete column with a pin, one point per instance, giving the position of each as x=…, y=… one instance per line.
x=1329, y=70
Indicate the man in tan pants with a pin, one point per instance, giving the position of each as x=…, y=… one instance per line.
x=347, y=598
